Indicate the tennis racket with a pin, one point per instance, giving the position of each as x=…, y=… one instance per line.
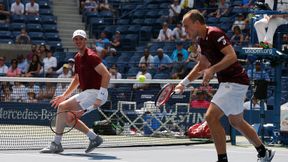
x=164, y=94
x=71, y=119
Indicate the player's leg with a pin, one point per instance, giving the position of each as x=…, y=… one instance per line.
x=85, y=100
x=61, y=121
x=238, y=122
x=213, y=115
x=260, y=27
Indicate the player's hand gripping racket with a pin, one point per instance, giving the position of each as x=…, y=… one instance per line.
x=164, y=94
x=70, y=117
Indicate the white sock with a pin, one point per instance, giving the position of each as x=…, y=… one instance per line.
x=57, y=139
x=91, y=135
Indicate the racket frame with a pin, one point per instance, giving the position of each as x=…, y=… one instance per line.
x=160, y=93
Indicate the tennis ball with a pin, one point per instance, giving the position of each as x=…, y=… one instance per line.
x=141, y=78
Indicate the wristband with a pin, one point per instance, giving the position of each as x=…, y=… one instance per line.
x=102, y=94
x=185, y=81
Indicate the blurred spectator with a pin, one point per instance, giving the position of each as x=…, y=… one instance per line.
x=65, y=72
x=148, y=59
x=240, y=21
x=34, y=67
x=258, y=73
x=33, y=87
x=71, y=63
x=237, y=37
x=90, y=6
x=23, y=37
x=179, y=32
x=116, y=41
x=194, y=52
x=13, y=70
x=114, y=75
x=6, y=94
x=34, y=51
x=255, y=104
x=3, y=67
x=102, y=5
x=223, y=9
x=209, y=91
x=186, y=5
x=42, y=52
x=143, y=71
x=32, y=8
x=178, y=68
x=17, y=8
x=265, y=37
x=200, y=100
x=4, y=14
x=18, y=92
x=60, y=89
x=165, y=34
x=50, y=63
x=31, y=97
x=47, y=92
x=179, y=49
x=22, y=63
x=162, y=61
x=174, y=11
x=211, y=8
x=102, y=42
x=113, y=52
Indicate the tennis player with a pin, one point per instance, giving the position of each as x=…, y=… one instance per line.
x=218, y=56
x=93, y=78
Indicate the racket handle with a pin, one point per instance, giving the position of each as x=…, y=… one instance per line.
x=176, y=91
x=89, y=109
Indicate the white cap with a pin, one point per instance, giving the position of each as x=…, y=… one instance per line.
x=71, y=59
x=79, y=32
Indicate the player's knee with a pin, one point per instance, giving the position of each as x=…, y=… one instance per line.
x=235, y=122
x=210, y=119
x=62, y=107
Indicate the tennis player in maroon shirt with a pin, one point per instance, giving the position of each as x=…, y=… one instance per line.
x=93, y=78
x=218, y=57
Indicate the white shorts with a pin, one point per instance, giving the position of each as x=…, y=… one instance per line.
x=87, y=98
x=230, y=98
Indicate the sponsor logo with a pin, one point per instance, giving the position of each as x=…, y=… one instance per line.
x=258, y=51
x=25, y=114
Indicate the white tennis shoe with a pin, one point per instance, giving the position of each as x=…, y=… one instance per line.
x=268, y=156
x=53, y=148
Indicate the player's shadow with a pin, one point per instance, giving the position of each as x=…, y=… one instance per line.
x=91, y=156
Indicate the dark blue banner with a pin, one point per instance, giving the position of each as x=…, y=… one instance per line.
x=34, y=114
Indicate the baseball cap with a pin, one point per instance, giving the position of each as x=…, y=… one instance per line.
x=65, y=66
x=30, y=91
x=71, y=60
x=79, y=32
x=113, y=50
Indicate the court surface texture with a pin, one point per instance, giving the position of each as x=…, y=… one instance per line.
x=242, y=152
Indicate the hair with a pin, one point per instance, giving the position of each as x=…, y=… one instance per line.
x=237, y=28
x=196, y=15
x=14, y=60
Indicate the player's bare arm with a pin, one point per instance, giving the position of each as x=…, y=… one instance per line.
x=101, y=69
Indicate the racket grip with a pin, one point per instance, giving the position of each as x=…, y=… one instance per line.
x=89, y=109
x=176, y=91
